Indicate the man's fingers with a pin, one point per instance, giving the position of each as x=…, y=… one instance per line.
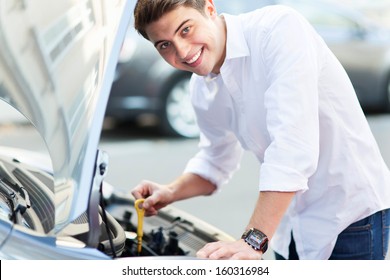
x=208, y=249
x=237, y=250
x=155, y=196
x=136, y=194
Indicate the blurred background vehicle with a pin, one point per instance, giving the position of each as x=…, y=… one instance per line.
x=149, y=91
x=361, y=44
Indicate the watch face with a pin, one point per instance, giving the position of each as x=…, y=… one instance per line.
x=254, y=238
x=257, y=240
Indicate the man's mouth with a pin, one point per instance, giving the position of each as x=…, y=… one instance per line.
x=195, y=57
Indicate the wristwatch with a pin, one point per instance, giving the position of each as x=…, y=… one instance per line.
x=257, y=239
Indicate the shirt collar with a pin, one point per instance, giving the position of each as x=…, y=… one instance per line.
x=236, y=45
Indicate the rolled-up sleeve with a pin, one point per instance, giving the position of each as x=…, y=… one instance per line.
x=291, y=104
x=217, y=160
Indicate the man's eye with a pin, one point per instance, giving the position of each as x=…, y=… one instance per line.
x=186, y=30
x=164, y=45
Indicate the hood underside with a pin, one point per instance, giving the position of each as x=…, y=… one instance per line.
x=57, y=62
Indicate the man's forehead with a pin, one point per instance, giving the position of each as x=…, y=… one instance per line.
x=170, y=22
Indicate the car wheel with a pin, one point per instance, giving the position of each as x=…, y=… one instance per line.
x=178, y=116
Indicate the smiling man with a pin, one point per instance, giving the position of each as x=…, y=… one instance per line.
x=190, y=43
x=266, y=82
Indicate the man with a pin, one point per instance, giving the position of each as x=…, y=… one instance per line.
x=266, y=82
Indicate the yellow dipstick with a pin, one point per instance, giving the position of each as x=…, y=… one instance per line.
x=140, y=214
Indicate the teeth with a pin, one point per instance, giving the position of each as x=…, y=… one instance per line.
x=195, y=58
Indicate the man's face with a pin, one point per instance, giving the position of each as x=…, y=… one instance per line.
x=189, y=40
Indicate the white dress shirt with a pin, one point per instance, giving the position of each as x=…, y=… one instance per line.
x=284, y=96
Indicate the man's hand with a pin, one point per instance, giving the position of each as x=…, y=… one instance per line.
x=236, y=250
x=156, y=196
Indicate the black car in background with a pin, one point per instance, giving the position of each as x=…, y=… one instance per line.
x=150, y=91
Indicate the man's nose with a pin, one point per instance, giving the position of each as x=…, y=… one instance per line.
x=182, y=49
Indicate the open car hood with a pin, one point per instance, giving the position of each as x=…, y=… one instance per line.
x=57, y=62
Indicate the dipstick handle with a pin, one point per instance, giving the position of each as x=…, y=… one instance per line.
x=140, y=214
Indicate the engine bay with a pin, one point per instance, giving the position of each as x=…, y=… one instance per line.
x=27, y=199
x=170, y=233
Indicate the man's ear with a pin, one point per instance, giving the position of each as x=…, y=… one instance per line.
x=210, y=8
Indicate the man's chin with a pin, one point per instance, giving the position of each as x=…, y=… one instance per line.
x=202, y=72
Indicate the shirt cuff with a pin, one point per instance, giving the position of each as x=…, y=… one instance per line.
x=207, y=171
x=281, y=178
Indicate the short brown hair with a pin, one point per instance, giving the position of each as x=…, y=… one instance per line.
x=148, y=11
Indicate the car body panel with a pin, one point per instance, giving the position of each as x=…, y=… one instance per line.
x=27, y=244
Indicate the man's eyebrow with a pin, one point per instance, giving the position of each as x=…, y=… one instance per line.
x=177, y=29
